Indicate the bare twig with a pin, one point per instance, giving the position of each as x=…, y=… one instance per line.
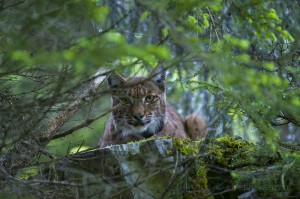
x=82, y=125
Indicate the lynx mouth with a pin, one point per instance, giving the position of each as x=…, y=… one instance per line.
x=138, y=126
x=139, y=123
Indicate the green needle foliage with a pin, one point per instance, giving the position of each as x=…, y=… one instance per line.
x=236, y=62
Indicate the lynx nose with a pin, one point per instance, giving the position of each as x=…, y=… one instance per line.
x=138, y=116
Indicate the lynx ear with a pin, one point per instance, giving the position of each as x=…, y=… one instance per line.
x=115, y=80
x=158, y=76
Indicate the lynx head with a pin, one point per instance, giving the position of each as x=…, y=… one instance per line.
x=141, y=103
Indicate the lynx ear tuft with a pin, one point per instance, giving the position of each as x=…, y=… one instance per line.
x=115, y=80
x=158, y=76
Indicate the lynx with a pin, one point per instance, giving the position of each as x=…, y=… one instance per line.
x=141, y=111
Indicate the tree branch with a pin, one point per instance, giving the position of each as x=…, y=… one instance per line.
x=22, y=152
x=82, y=125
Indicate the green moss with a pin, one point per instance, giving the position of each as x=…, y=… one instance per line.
x=186, y=146
x=195, y=178
x=244, y=157
x=152, y=138
x=226, y=152
x=232, y=152
x=252, y=166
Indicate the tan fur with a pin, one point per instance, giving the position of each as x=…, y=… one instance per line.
x=144, y=112
x=195, y=127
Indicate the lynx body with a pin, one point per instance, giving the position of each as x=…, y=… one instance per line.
x=142, y=111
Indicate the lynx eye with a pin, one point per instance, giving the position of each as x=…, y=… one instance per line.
x=149, y=98
x=125, y=100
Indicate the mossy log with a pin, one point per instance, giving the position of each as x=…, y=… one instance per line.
x=171, y=168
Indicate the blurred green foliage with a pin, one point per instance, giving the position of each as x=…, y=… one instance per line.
x=235, y=62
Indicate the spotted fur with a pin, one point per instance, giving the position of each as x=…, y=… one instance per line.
x=142, y=111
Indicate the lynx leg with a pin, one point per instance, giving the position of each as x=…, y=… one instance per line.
x=195, y=127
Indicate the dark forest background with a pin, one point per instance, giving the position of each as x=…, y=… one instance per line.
x=235, y=62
